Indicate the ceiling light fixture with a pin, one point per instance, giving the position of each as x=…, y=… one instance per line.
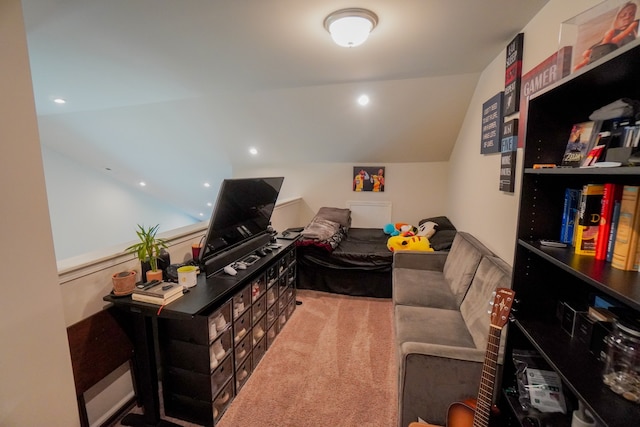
x=350, y=27
x=60, y=101
x=363, y=100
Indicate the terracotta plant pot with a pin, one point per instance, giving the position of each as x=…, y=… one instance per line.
x=154, y=275
x=123, y=282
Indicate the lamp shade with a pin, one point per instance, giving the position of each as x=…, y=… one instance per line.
x=350, y=27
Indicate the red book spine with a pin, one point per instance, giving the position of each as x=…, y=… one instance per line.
x=612, y=192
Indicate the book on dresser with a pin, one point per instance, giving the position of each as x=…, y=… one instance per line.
x=611, y=193
x=588, y=219
x=569, y=214
x=162, y=294
x=624, y=250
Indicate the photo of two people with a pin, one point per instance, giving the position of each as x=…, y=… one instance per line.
x=368, y=178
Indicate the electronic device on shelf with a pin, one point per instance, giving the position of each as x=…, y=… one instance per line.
x=240, y=221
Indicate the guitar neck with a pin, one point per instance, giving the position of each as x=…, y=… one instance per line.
x=488, y=378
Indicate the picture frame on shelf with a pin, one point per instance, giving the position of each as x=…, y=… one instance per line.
x=600, y=30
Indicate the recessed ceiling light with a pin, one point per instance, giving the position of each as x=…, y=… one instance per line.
x=253, y=151
x=59, y=101
x=201, y=214
x=143, y=184
x=206, y=184
x=363, y=100
x=209, y=204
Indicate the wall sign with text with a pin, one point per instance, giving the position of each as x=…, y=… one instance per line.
x=508, y=150
x=491, y=125
x=512, y=75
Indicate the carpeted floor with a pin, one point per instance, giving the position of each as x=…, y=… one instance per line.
x=333, y=364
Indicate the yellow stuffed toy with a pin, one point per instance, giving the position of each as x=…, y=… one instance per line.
x=409, y=243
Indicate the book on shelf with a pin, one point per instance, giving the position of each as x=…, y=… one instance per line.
x=163, y=293
x=611, y=193
x=569, y=211
x=594, y=155
x=615, y=217
x=624, y=249
x=588, y=219
x=581, y=140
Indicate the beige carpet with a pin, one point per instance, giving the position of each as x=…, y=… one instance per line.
x=333, y=364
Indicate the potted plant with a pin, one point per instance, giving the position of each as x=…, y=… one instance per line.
x=124, y=282
x=148, y=250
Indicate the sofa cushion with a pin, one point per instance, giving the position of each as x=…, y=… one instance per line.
x=435, y=326
x=462, y=262
x=424, y=288
x=492, y=273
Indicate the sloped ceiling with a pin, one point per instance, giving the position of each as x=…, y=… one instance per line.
x=196, y=83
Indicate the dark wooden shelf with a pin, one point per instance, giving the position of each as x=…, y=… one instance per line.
x=581, y=372
x=621, y=285
x=622, y=170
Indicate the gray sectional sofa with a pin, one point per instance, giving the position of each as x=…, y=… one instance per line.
x=442, y=302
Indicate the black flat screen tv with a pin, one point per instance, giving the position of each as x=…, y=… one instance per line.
x=239, y=221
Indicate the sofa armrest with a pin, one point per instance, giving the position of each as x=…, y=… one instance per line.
x=419, y=260
x=432, y=377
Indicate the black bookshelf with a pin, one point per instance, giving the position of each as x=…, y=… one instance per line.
x=542, y=276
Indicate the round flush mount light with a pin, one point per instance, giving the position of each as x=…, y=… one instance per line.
x=350, y=27
x=59, y=101
x=363, y=100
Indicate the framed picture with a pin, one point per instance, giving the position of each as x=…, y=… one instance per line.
x=368, y=178
x=600, y=30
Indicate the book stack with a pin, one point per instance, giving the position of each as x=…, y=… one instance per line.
x=161, y=294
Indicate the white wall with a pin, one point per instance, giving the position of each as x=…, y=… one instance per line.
x=475, y=203
x=416, y=190
x=37, y=382
x=90, y=211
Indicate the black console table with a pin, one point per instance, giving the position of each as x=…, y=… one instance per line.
x=255, y=303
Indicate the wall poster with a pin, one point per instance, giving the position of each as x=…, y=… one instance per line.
x=368, y=178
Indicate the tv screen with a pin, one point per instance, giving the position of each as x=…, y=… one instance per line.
x=242, y=212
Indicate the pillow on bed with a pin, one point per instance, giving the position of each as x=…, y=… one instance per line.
x=445, y=232
x=341, y=216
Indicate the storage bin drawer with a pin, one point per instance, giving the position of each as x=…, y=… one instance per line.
x=221, y=376
x=258, y=288
x=259, y=330
x=242, y=373
x=222, y=401
x=272, y=315
x=243, y=349
x=259, y=308
x=241, y=302
x=188, y=383
x=219, y=321
x=242, y=326
x=258, y=351
x=188, y=409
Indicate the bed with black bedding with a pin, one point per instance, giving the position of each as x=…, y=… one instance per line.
x=334, y=257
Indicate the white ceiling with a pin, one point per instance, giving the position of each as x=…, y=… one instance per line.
x=196, y=83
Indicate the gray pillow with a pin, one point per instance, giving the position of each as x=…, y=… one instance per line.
x=341, y=216
x=445, y=232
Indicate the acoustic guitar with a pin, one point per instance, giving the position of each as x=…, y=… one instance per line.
x=477, y=413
